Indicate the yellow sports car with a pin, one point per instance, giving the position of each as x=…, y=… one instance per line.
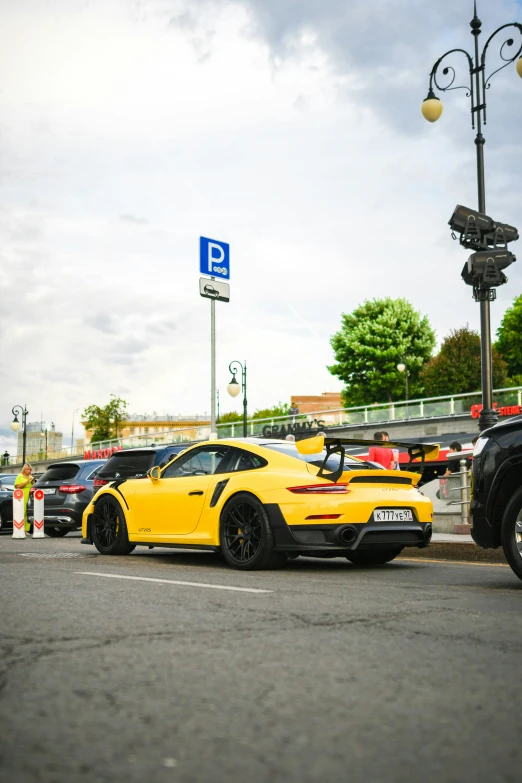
x=259, y=502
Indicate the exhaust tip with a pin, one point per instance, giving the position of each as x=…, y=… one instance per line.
x=348, y=535
x=428, y=532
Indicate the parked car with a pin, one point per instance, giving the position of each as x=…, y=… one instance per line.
x=7, y=480
x=496, y=491
x=68, y=489
x=260, y=502
x=135, y=463
x=6, y=508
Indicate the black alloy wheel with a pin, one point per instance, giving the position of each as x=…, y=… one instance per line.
x=109, y=529
x=1, y=521
x=56, y=532
x=246, y=538
x=371, y=557
x=511, y=533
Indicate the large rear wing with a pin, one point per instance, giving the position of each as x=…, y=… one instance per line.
x=417, y=452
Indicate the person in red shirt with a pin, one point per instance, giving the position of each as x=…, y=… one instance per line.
x=383, y=456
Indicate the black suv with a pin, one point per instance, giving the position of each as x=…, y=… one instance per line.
x=68, y=489
x=496, y=494
x=135, y=463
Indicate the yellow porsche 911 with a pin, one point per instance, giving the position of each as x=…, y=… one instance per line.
x=259, y=502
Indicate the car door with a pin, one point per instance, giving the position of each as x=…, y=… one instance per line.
x=172, y=505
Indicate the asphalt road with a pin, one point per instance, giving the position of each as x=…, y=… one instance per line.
x=406, y=672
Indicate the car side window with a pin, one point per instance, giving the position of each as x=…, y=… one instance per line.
x=244, y=460
x=204, y=461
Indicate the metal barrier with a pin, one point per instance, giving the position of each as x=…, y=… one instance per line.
x=463, y=489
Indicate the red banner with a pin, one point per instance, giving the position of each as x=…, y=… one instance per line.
x=506, y=410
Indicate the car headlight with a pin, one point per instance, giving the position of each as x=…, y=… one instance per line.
x=479, y=446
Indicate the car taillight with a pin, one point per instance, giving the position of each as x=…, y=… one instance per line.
x=72, y=489
x=320, y=489
x=32, y=491
x=99, y=482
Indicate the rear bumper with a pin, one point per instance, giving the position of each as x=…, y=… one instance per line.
x=70, y=521
x=345, y=537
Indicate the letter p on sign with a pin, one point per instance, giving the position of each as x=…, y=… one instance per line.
x=214, y=258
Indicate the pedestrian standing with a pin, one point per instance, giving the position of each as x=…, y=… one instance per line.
x=395, y=452
x=25, y=481
x=453, y=464
x=380, y=454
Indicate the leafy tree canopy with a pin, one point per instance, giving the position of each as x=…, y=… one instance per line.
x=509, y=337
x=456, y=368
x=377, y=336
x=281, y=409
x=105, y=422
x=225, y=418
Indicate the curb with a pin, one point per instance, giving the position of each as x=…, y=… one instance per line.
x=454, y=550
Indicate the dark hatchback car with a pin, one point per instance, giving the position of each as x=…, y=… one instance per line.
x=68, y=489
x=135, y=463
x=6, y=508
x=496, y=493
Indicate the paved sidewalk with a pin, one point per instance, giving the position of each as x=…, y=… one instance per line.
x=448, y=546
x=452, y=537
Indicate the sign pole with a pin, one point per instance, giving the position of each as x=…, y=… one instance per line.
x=214, y=261
x=212, y=364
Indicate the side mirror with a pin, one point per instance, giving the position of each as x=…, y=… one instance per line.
x=154, y=474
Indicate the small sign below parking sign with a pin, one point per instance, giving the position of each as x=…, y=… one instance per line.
x=214, y=258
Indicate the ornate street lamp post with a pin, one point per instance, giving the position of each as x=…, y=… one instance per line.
x=234, y=388
x=404, y=368
x=18, y=410
x=432, y=110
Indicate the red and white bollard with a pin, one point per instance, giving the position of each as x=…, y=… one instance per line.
x=18, y=514
x=38, y=514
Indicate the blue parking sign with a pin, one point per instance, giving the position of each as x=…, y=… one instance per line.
x=214, y=258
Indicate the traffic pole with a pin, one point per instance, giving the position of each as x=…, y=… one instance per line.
x=18, y=514
x=38, y=514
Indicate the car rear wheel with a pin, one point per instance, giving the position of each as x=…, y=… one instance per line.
x=56, y=532
x=1, y=521
x=371, y=557
x=511, y=533
x=246, y=538
x=109, y=529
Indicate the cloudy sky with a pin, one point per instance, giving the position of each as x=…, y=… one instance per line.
x=290, y=129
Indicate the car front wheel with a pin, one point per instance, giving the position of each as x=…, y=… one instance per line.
x=370, y=557
x=511, y=533
x=246, y=538
x=109, y=529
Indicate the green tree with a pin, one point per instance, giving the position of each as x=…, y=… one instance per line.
x=509, y=338
x=377, y=336
x=281, y=409
x=225, y=418
x=456, y=368
x=105, y=422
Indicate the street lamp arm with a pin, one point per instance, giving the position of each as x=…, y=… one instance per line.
x=234, y=370
x=448, y=69
x=507, y=42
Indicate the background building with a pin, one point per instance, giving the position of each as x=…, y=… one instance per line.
x=143, y=424
x=41, y=441
x=327, y=401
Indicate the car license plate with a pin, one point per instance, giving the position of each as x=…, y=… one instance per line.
x=393, y=515
x=49, y=491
